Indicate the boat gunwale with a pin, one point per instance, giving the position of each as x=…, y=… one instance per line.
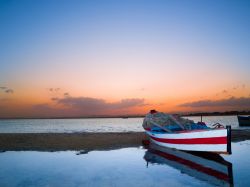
x=185, y=131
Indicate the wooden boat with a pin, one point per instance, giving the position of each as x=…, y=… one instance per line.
x=244, y=120
x=204, y=139
x=205, y=166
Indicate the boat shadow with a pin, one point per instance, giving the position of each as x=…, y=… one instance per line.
x=204, y=166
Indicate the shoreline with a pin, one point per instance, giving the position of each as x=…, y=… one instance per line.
x=82, y=141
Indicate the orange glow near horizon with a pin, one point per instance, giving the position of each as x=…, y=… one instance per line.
x=26, y=104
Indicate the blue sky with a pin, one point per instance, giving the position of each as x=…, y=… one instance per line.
x=111, y=49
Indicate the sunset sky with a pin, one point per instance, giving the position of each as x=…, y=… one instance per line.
x=80, y=58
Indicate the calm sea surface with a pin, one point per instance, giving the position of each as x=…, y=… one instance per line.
x=93, y=125
x=125, y=167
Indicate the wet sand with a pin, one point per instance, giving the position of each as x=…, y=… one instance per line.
x=69, y=141
x=82, y=141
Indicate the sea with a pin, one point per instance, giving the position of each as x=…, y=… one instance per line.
x=142, y=166
x=97, y=125
x=132, y=166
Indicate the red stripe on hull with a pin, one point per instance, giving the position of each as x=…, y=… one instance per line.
x=214, y=140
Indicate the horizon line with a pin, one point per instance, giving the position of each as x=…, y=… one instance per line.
x=216, y=113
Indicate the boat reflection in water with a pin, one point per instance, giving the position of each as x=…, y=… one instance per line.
x=205, y=166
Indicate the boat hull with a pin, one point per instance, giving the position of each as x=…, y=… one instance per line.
x=212, y=140
x=244, y=120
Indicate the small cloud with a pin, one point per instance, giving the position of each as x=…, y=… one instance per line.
x=54, y=89
x=54, y=98
x=66, y=94
x=9, y=91
x=243, y=86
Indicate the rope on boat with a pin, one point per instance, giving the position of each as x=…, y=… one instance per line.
x=157, y=125
x=218, y=125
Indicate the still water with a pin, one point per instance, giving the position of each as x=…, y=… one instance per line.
x=151, y=166
x=93, y=125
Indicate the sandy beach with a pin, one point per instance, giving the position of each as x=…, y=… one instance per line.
x=69, y=141
x=82, y=141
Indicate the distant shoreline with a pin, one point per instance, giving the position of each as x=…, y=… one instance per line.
x=228, y=113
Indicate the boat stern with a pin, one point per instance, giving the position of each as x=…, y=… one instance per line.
x=229, y=148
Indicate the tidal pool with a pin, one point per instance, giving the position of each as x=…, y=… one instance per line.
x=151, y=166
